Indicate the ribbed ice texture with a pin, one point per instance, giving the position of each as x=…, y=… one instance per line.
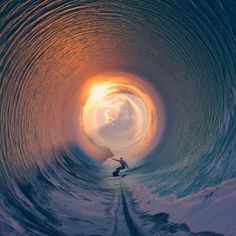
x=187, y=49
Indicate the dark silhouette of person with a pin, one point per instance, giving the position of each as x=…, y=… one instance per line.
x=122, y=163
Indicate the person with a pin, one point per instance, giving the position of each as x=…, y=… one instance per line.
x=122, y=163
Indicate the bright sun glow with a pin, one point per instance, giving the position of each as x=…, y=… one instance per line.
x=98, y=92
x=118, y=117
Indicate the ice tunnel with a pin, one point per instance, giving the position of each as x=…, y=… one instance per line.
x=85, y=82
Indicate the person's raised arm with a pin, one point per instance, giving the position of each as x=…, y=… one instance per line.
x=114, y=159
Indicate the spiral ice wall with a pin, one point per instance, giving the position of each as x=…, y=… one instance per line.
x=185, y=49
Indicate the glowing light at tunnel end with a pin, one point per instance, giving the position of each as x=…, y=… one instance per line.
x=135, y=112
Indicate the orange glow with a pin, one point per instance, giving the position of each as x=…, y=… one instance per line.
x=98, y=92
x=118, y=116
